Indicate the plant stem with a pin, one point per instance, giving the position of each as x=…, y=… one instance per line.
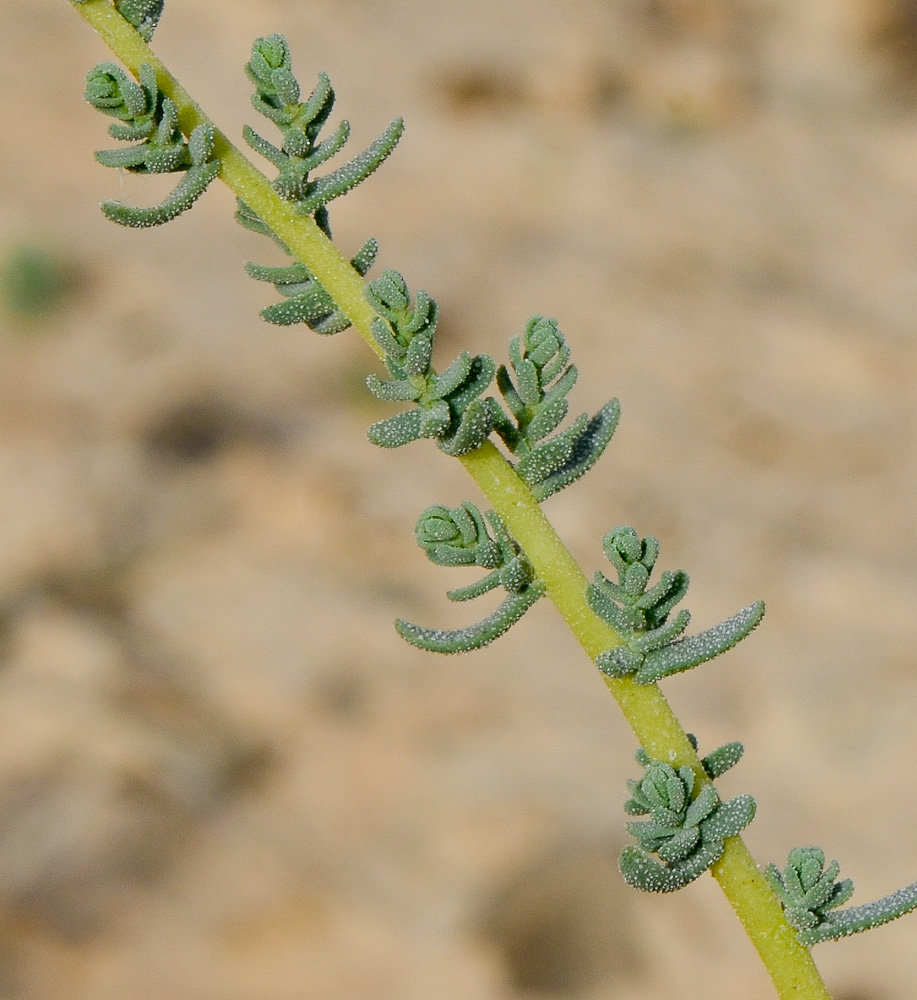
x=788, y=963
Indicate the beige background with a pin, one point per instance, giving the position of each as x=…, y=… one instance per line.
x=222, y=775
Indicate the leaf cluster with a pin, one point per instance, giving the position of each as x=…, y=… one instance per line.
x=811, y=893
x=277, y=97
x=149, y=119
x=688, y=822
x=536, y=395
x=459, y=536
x=652, y=647
x=448, y=406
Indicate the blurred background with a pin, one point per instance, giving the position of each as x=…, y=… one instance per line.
x=222, y=775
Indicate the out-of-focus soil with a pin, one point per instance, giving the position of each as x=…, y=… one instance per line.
x=222, y=775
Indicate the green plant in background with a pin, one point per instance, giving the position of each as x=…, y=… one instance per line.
x=33, y=281
x=627, y=626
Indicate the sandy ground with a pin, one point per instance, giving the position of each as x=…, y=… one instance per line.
x=222, y=775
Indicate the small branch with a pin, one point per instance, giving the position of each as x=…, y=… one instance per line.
x=299, y=233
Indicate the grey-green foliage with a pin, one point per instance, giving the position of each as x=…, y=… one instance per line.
x=277, y=97
x=688, y=822
x=143, y=14
x=537, y=401
x=652, y=647
x=448, y=406
x=149, y=120
x=810, y=894
x=305, y=299
x=459, y=536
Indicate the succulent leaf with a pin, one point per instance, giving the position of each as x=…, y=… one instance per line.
x=189, y=189
x=277, y=97
x=393, y=432
x=640, y=871
x=580, y=452
x=151, y=119
x=451, y=409
x=397, y=391
x=477, y=589
x=475, y=636
x=682, y=654
x=451, y=380
x=459, y=536
x=685, y=830
x=142, y=14
x=652, y=646
x=810, y=894
x=347, y=177
x=475, y=423
x=307, y=301
x=722, y=759
x=536, y=395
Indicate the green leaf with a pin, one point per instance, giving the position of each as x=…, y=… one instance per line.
x=729, y=818
x=479, y=377
x=458, y=536
x=810, y=895
x=453, y=377
x=264, y=148
x=142, y=14
x=585, y=449
x=393, y=432
x=722, y=759
x=191, y=187
x=435, y=419
x=134, y=156
x=347, y=177
x=686, y=831
x=475, y=636
x=686, y=653
x=324, y=150
x=483, y=586
x=640, y=871
x=475, y=425
x=618, y=662
x=308, y=303
x=400, y=391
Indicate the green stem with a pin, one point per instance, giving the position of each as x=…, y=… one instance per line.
x=789, y=965
x=300, y=233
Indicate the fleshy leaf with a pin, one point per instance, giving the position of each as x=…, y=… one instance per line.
x=474, y=636
x=189, y=189
x=652, y=645
x=642, y=872
x=686, y=831
x=585, y=450
x=142, y=14
x=811, y=894
x=347, y=177
x=722, y=759
x=393, y=432
x=307, y=301
x=686, y=653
